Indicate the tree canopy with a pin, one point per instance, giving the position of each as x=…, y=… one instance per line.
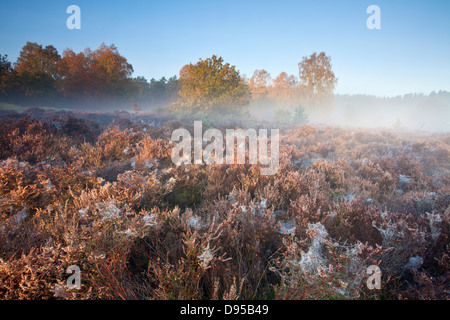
x=35, y=59
x=103, y=77
x=211, y=84
x=317, y=78
x=102, y=73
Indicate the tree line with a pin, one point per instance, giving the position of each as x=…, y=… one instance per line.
x=42, y=76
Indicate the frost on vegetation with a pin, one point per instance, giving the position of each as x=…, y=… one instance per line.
x=263, y=203
x=83, y=212
x=49, y=185
x=255, y=209
x=435, y=220
x=194, y=222
x=306, y=163
x=148, y=164
x=390, y=233
x=260, y=208
x=129, y=232
x=150, y=220
x=414, y=263
x=403, y=181
x=349, y=197
x=20, y=216
x=312, y=260
x=286, y=227
x=170, y=184
x=109, y=210
x=206, y=257
x=316, y=269
x=60, y=291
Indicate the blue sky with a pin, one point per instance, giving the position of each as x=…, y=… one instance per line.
x=409, y=54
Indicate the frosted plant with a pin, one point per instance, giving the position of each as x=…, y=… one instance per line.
x=341, y=273
x=20, y=216
x=313, y=260
x=414, y=263
x=83, y=212
x=231, y=196
x=148, y=164
x=286, y=227
x=49, y=185
x=349, y=197
x=259, y=208
x=390, y=234
x=60, y=291
x=108, y=210
x=403, y=180
x=170, y=184
x=262, y=207
x=435, y=220
x=263, y=203
x=206, y=256
x=129, y=232
x=194, y=222
x=149, y=220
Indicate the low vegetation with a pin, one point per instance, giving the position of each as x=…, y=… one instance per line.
x=100, y=191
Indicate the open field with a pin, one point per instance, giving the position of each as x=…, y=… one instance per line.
x=100, y=191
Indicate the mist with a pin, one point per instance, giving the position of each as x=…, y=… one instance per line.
x=413, y=112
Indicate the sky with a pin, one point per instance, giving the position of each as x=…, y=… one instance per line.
x=410, y=53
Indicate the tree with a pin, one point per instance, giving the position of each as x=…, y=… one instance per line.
x=212, y=85
x=284, y=90
x=35, y=59
x=172, y=88
x=102, y=74
x=259, y=84
x=5, y=65
x=6, y=71
x=317, y=80
x=156, y=93
x=33, y=79
x=35, y=87
x=300, y=116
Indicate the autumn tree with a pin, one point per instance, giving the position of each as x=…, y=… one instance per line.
x=102, y=74
x=211, y=85
x=284, y=90
x=35, y=59
x=33, y=78
x=259, y=84
x=317, y=80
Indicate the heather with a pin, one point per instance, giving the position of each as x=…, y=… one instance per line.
x=100, y=191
